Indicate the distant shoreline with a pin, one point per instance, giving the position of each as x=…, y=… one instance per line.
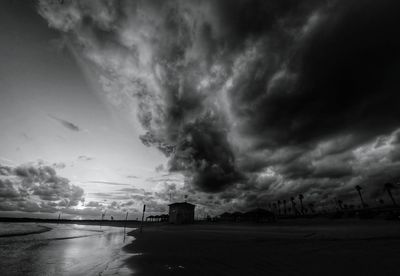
x=114, y=223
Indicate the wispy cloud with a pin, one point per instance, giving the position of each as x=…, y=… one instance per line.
x=26, y=137
x=133, y=190
x=65, y=123
x=109, y=183
x=84, y=158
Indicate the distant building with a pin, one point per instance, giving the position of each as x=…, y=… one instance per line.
x=181, y=212
x=237, y=216
x=226, y=217
x=258, y=215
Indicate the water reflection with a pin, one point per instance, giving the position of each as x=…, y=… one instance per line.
x=67, y=250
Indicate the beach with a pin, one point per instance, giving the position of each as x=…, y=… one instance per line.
x=65, y=249
x=291, y=247
x=287, y=247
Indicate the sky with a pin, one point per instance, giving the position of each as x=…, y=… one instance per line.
x=109, y=105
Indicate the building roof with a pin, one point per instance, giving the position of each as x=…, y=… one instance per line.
x=182, y=204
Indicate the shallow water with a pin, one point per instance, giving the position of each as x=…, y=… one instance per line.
x=66, y=249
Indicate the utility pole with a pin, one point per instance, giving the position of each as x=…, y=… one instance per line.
x=126, y=219
x=102, y=217
x=141, y=224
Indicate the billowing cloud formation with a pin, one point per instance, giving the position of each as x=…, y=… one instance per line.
x=36, y=188
x=256, y=99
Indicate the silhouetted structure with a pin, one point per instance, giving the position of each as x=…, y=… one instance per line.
x=388, y=188
x=358, y=188
x=295, y=211
x=279, y=207
x=181, y=212
x=284, y=206
x=158, y=218
x=164, y=218
x=311, y=206
x=236, y=216
x=258, y=215
x=301, y=203
x=226, y=217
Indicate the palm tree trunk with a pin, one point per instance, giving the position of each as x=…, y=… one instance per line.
x=391, y=196
x=362, y=201
x=301, y=206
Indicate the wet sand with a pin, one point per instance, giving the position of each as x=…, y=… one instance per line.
x=65, y=250
x=21, y=229
x=295, y=247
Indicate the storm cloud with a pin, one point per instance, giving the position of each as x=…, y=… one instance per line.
x=253, y=100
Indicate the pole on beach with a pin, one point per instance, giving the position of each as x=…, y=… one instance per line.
x=102, y=217
x=141, y=224
x=59, y=216
x=126, y=219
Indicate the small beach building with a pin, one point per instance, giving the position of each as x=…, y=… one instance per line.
x=181, y=212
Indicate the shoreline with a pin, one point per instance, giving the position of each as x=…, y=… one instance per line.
x=303, y=247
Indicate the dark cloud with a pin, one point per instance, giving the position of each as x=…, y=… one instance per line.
x=65, y=123
x=36, y=188
x=206, y=154
x=343, y=82
x=253, y=100
x=7, y=189
x=5, y=170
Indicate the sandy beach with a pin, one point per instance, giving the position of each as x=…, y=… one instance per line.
x=292, y=247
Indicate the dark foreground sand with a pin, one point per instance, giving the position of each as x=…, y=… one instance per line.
x=296, y=247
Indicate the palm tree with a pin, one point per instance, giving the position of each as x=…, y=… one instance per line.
x=274, y=205
x=311, y=205
x=284, y=206
x=358, y=188
x=294, y=206
x=388, y=188
x=340, y=204
x=301, y=203
x=279, y=207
